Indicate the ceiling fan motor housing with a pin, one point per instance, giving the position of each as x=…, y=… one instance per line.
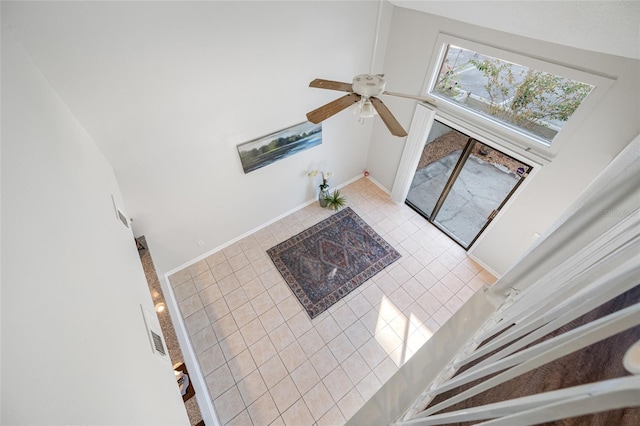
x=368, y=85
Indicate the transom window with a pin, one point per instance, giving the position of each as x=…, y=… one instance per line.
x=519, y=95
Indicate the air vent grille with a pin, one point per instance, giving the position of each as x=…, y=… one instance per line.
x=122, y=217
x=154, y=332
x=157, y=343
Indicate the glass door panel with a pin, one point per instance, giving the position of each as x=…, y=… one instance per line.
x=460, y=183
x=484, y=183
x=439, y=157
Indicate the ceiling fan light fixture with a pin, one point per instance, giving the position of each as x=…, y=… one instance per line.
x=362, y=95
x=366, y=109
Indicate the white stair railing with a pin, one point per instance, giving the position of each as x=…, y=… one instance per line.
x=554, y=405
x=600, y=272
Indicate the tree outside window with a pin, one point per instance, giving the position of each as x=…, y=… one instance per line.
x=535, y=101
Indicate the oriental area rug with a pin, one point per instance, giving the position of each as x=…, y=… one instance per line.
x=326, y=262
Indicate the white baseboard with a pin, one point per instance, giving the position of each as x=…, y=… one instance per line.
x=188, y=353
x=484, y=265
x=257, y=228
x=190, y=358
x=379, y=185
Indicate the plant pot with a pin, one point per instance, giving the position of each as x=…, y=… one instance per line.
x=322, y=197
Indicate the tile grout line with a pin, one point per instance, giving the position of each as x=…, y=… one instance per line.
x=277, y=232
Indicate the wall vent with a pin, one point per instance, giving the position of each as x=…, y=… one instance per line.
x=154, y=332
x=157, y=343
x=120, y=215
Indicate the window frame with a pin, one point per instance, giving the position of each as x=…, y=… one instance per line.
x=504, y=133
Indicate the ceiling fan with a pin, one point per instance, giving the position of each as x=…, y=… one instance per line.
x=363, y=91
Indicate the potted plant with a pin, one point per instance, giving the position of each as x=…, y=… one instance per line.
x=335, y=201
x=324, y=186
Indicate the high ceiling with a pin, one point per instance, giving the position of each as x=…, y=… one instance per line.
x=601, y=26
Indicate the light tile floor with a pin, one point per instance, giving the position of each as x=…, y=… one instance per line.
x=267, y=363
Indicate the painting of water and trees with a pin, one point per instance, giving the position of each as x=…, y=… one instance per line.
x=278, y=145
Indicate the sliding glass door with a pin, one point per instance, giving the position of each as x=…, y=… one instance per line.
x=460, y=183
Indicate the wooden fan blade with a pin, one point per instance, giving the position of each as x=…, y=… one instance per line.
x=332, y=108
x=331, y=85
x=389, y=120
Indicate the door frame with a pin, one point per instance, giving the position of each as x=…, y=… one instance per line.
x=423, y=119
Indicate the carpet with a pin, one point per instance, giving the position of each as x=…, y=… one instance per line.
x=326, y=262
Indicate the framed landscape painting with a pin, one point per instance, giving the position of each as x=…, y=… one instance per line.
x=281, y=144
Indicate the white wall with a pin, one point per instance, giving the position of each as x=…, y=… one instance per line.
x=192, y=187
x=610, y=126
x=169, y=89
x=605, y=26
x=74, y=346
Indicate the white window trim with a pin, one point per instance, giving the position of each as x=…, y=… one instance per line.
x=488, y=137
x=512, y=137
